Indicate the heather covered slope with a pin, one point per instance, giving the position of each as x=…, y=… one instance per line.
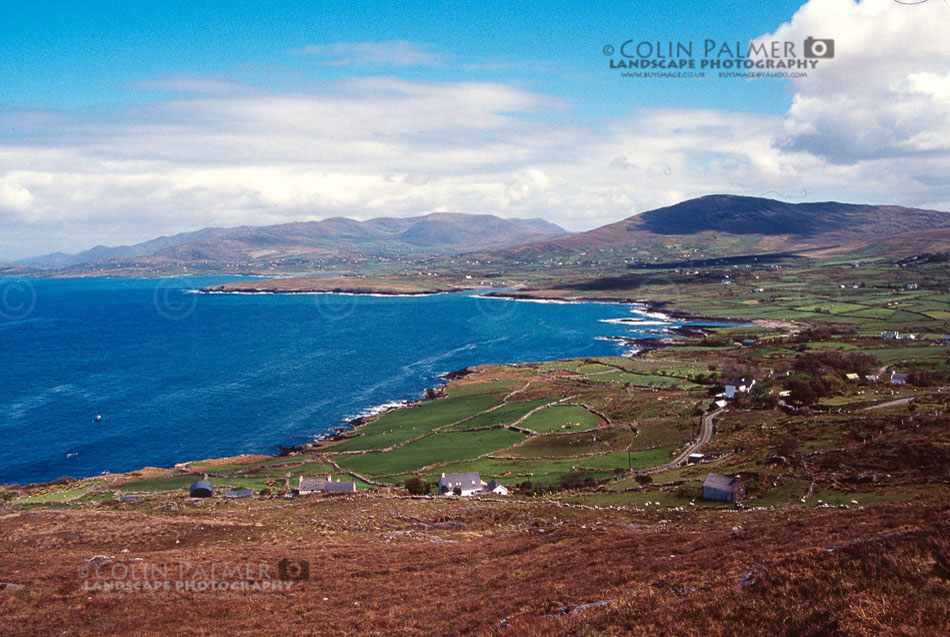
x=754, y=215
x=401, y=567
x=723, y=225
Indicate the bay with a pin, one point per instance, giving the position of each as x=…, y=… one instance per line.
x=110, y=374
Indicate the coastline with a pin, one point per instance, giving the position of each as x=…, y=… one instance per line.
x=635, y=346
x=659, y=310
x=379, y=286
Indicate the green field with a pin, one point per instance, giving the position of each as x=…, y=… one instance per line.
x=434, y=449
x=399, y=426
x=599, y=441
x=551, y=471
x=504, y=415
x=562, y=418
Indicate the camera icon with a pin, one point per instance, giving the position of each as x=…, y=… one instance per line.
x=289, y=570
x=819, y=48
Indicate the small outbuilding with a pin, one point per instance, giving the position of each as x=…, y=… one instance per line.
x=694, y=458
x=723, y=488
x=319, y=485
x=244, y=493
x=340, y=487
x=201, y=489
x=898, y=379
x=496, y=487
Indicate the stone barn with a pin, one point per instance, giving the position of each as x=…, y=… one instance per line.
x=319, y=485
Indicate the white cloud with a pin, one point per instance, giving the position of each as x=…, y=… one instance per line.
x=886, y=92
x=391, y=53
x=13, y=195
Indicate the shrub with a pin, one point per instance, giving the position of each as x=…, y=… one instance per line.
x=417, y=486
x=922, y=378
x=802, y=392
x=858, y=363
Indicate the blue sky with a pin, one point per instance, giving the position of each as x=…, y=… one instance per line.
x=121, y=121
x=99, y=53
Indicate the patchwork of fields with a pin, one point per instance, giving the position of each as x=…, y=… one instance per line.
x=581, y=429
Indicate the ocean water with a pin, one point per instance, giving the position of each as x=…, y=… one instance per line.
x=178, y=376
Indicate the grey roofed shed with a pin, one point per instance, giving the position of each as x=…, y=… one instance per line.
x=311, y=485
x=496, y=487
x=722, y=488
x=201, y=489
x=339, y=487
x=244, y=493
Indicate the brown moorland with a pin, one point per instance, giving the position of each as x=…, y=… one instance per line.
x=385, y=565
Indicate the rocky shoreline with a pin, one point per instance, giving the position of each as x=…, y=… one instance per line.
x=219, y=289
x=649, y=306
x=369, y=285
x=348, y=429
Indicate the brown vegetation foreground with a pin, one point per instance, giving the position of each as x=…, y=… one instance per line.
x=383, y=565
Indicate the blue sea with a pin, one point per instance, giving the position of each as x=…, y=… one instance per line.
x=108, y=374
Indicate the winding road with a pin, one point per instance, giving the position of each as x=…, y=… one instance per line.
x=890, y=403
x=705, y=437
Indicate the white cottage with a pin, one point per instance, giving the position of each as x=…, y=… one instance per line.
x=463, y=484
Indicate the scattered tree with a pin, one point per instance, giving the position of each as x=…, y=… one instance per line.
x=417, y=486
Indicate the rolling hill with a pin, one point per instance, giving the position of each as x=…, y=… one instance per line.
x=436, y=233
x=721, y=225
x=713, y=226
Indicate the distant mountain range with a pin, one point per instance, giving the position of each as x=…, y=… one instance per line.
x=730, y=224
x=715, y=225
x=436, y=233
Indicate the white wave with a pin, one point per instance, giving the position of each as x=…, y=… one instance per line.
x=323, y=293
x=546, y=301
x=633, y=322
x=378, y=409
x=657, y=315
